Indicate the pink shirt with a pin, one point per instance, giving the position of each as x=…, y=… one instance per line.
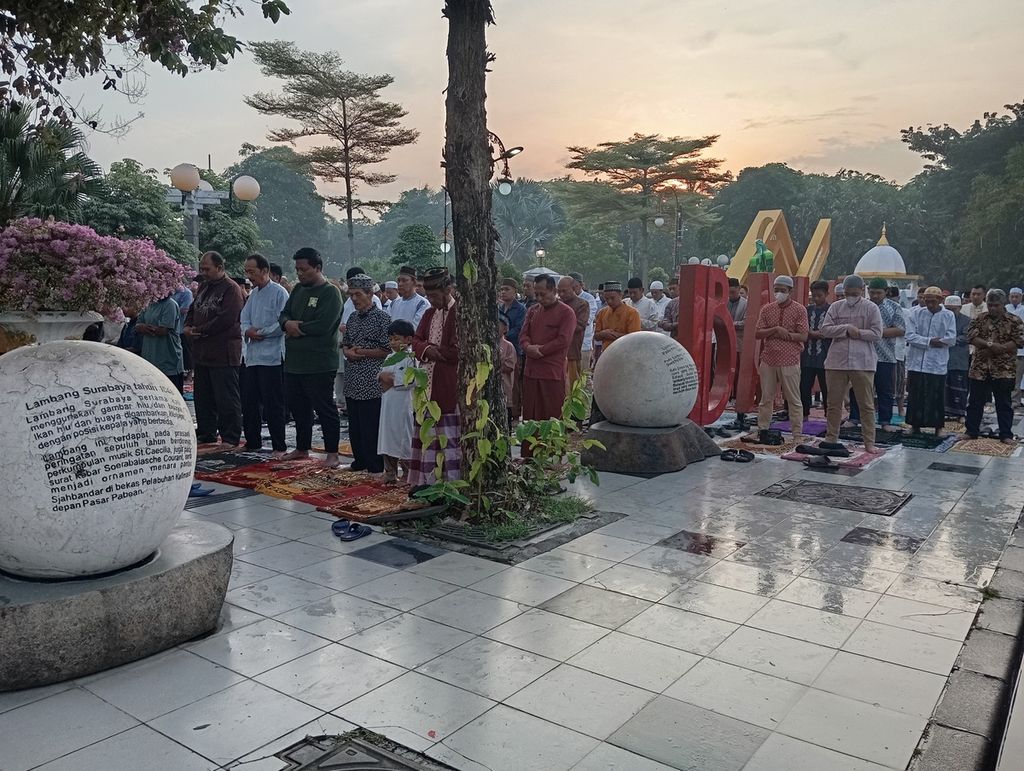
x=852, y=353
x=552, y=329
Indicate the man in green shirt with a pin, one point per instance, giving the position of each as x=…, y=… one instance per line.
x=157, y=328
x=310, y=322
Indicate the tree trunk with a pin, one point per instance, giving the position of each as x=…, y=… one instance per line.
x=468, y=173
x=348, y=188
x=645, y=246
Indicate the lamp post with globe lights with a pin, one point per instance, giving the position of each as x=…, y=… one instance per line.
x=192, y=193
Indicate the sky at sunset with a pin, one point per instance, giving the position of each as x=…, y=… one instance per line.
x=818, y=84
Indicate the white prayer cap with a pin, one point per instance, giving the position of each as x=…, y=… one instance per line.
x=376, y=288
x=1016, y=290
x=657, y=285
x=784, y=281
x=391, y=285
x=953, y=301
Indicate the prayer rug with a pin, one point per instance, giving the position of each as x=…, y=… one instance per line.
x=812, y=427
x=339, y=496
x=954, y=426
x=986, y=446
x=344, y=448
x=763, y=449
x=850, y=497
x=859, y=457
x=268, y=471
x=226, y=460
x=929, y=442
x=314, y=481
x=382, y=507
x=882, y=438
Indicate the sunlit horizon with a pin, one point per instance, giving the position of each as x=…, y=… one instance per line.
x=813, y=84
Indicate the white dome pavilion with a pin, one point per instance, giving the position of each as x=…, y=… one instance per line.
x=881, y=260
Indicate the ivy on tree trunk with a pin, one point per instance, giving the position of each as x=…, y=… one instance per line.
x=469, y=168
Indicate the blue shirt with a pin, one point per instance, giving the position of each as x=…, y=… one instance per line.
x=183, y=297
x=263, y=310
x=516, y=313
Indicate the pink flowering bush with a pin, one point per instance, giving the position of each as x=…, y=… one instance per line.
x=57, y=266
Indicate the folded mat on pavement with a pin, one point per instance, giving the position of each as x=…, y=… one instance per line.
x=384, y=505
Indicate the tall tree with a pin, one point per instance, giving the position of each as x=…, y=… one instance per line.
x=342, y=107
x=526, y=215
x=416, y=246
x=468, y=171
x=134, y=205
x=419, y=206
x=45, y=42
x=641, y=172
x=290, y=213
x=44, y=170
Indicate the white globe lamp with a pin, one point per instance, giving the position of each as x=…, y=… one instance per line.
x=185, y=177
x=246, y=188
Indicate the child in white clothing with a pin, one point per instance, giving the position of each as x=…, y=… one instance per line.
x=394, y=439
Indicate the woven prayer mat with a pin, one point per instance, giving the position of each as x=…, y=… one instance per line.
x=225, y=460
x=344, y=448
x=859, y=457
x=313, y=481
x=954, y=427
x=929, y=442
x=762, y=449
x=385, y=506
x=343, y=496
x=882, y=438
x=268, y=471
x=986, y=446
x=812, y=427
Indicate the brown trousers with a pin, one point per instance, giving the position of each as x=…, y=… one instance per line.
x=789, y=379
x=862, y=382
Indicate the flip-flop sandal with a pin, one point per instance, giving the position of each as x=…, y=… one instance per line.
x=729, y=454
x=349, y=531
x=820, y=461
x=744, y=456
x=198, y=491
x=831, y=446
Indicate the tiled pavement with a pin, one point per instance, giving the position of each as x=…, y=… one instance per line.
x=709, y=629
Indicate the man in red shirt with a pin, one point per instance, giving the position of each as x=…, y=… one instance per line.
x=782, y=330
x=545, y=340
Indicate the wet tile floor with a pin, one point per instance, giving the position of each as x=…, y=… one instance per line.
x=710, y=628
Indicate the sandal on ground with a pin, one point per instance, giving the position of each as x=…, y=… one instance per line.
x=349, y=531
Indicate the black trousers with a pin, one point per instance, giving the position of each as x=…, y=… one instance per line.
x=979, y=392
x=178, y=380
x=363, y=427
x=263, y=394
x=309, y=394
x=807, y=377
x=218, y=406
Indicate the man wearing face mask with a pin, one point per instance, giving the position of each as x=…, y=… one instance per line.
x=854, y=325
x=1016, y=307
x=782, y=328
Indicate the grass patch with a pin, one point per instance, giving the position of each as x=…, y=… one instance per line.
x=566, y=508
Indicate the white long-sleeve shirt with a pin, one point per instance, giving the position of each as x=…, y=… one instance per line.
x=922, y=327
x=588, y=334
x=648, y=310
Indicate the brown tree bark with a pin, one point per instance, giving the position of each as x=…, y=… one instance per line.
x=469, y=168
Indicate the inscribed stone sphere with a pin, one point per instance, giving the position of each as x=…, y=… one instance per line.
x=645, y=380
x=99, y=453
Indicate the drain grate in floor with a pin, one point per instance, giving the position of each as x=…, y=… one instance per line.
x=955, y=468
x=206, y=500
x=337, y=753
x=850, y=497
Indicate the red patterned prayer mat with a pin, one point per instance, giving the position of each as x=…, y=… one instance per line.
x=253, y=475
x=339, y=496
x=389, y=504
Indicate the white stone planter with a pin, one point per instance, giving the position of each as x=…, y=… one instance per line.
x=18, y=329
x=100, y=451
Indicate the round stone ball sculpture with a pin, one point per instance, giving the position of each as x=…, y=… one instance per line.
x=99, y=451
x=646, y=380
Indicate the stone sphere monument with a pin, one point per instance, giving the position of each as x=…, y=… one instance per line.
x=97, y=565
x=646, y=380
x=646, y=385
x=100, y=453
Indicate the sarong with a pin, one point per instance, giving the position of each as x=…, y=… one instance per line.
x=424, y=459
x=956, y=393
x=926, y=400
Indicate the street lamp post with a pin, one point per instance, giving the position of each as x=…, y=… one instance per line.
x=192, y=193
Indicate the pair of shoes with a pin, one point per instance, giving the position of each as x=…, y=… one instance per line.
x=738, y=456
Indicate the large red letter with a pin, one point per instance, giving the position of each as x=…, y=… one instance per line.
x=703, y=292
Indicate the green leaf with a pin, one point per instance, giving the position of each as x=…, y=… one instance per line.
x=484, y=448
x=442, y=441
x=426, y=432
x=485, y=412
x=435, y=410
x=469, y=271
x=396, y=357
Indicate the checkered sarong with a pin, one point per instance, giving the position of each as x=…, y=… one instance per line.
x=424, y=460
